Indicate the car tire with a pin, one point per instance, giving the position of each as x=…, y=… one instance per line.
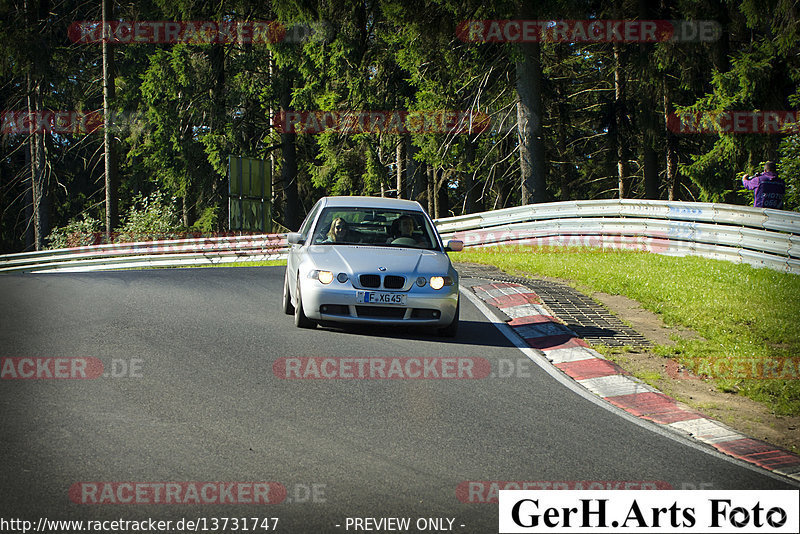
x=452, y=329
x=288, y=309
x=300, y=319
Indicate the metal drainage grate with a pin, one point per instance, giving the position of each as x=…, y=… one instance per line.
x=588, y=319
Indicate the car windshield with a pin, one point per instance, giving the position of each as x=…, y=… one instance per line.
x=380, y=227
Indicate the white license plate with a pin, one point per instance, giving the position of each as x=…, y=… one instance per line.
x=378, y=297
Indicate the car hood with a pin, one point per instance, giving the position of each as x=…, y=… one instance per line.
x=361, y=259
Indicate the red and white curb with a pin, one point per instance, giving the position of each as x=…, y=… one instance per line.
x=572, y=355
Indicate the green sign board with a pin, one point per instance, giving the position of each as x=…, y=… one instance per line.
x=249, y=194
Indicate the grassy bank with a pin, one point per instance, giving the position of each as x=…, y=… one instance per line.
x=749, y=318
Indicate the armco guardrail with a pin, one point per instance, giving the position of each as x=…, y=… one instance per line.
x=163, y=253
x=756, y=236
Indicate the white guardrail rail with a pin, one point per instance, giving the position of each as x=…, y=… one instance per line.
x=163, y=253
x=756, y=236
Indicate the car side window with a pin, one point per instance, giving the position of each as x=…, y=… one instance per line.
x=323, y=226
x=306, y=226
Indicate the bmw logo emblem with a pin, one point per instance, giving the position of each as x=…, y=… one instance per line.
x=381, y=269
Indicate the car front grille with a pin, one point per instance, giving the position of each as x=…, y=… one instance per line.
x=373, y=281
x=393, y=282
x=370, y=280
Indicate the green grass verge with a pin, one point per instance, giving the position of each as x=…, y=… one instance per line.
x=749, y=318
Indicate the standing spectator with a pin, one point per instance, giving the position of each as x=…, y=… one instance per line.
x=768, y=188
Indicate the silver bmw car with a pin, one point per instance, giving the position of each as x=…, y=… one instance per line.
x=371, y=260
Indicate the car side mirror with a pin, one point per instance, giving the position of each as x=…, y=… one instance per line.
x=454, y=245
x=295, y=238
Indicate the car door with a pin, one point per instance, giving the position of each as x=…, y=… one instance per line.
x=297, y=250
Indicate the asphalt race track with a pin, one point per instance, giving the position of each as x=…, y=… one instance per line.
x=190, y=395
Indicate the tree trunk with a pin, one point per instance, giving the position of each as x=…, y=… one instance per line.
x=671, y=148
x=529, y=124
x=400, y=170
x=40, y=189
x=647, y=112
x=185, y=209
x=619, y=119
x=38, y=209
x=291, y=208
x=30, y=235
x=270, y=118
x=430, y=181
x=650, y=162
x=414, y=171
x=470, y=185
x=111, y=179
x=529, y=117
x=442, y=197
x=435, y=191
x=721, y=48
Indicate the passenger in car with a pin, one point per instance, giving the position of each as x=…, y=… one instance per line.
x=340, y=232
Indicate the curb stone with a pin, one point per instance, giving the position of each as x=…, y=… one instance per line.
x=536, y=325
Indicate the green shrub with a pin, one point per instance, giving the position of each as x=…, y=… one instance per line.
x=77, y=233
x=207, y=222
x=151, y=218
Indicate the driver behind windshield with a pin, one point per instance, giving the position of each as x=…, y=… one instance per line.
x=403, y=226
x=402, y=231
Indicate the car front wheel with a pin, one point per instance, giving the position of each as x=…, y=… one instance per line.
x=452, y=329
x=288, y=309
x=300, y=319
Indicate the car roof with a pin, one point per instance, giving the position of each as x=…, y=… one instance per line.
x=371, y=202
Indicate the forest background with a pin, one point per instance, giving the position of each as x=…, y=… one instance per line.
x=564, y=118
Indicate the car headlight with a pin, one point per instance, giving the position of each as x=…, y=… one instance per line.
x=438, y=282
x=325, y=277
